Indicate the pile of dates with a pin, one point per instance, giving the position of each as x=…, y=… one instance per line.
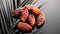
x=29, y=16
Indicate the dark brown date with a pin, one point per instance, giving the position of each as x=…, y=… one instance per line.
x=17, y=11
x=40, y=19
x=31, y=19
x=24, y=26
x=24, y=14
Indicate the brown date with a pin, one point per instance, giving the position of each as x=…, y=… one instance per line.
x=24, y=14
x=17, y=11
x=40, y=19
x=24, y=26
x=31, y=19
x=34, y=9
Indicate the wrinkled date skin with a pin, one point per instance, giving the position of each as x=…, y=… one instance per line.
x=34, y=9
x=40, y=19
x=24, y=26
x=17, y=11
x=29, y=16
x=24, y=14
x=31, y=19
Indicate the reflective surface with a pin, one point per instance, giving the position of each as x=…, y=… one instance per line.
x=52, y=11
x=52, y=22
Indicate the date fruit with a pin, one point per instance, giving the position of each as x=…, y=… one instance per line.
x=24, y=26
x=31, y=19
